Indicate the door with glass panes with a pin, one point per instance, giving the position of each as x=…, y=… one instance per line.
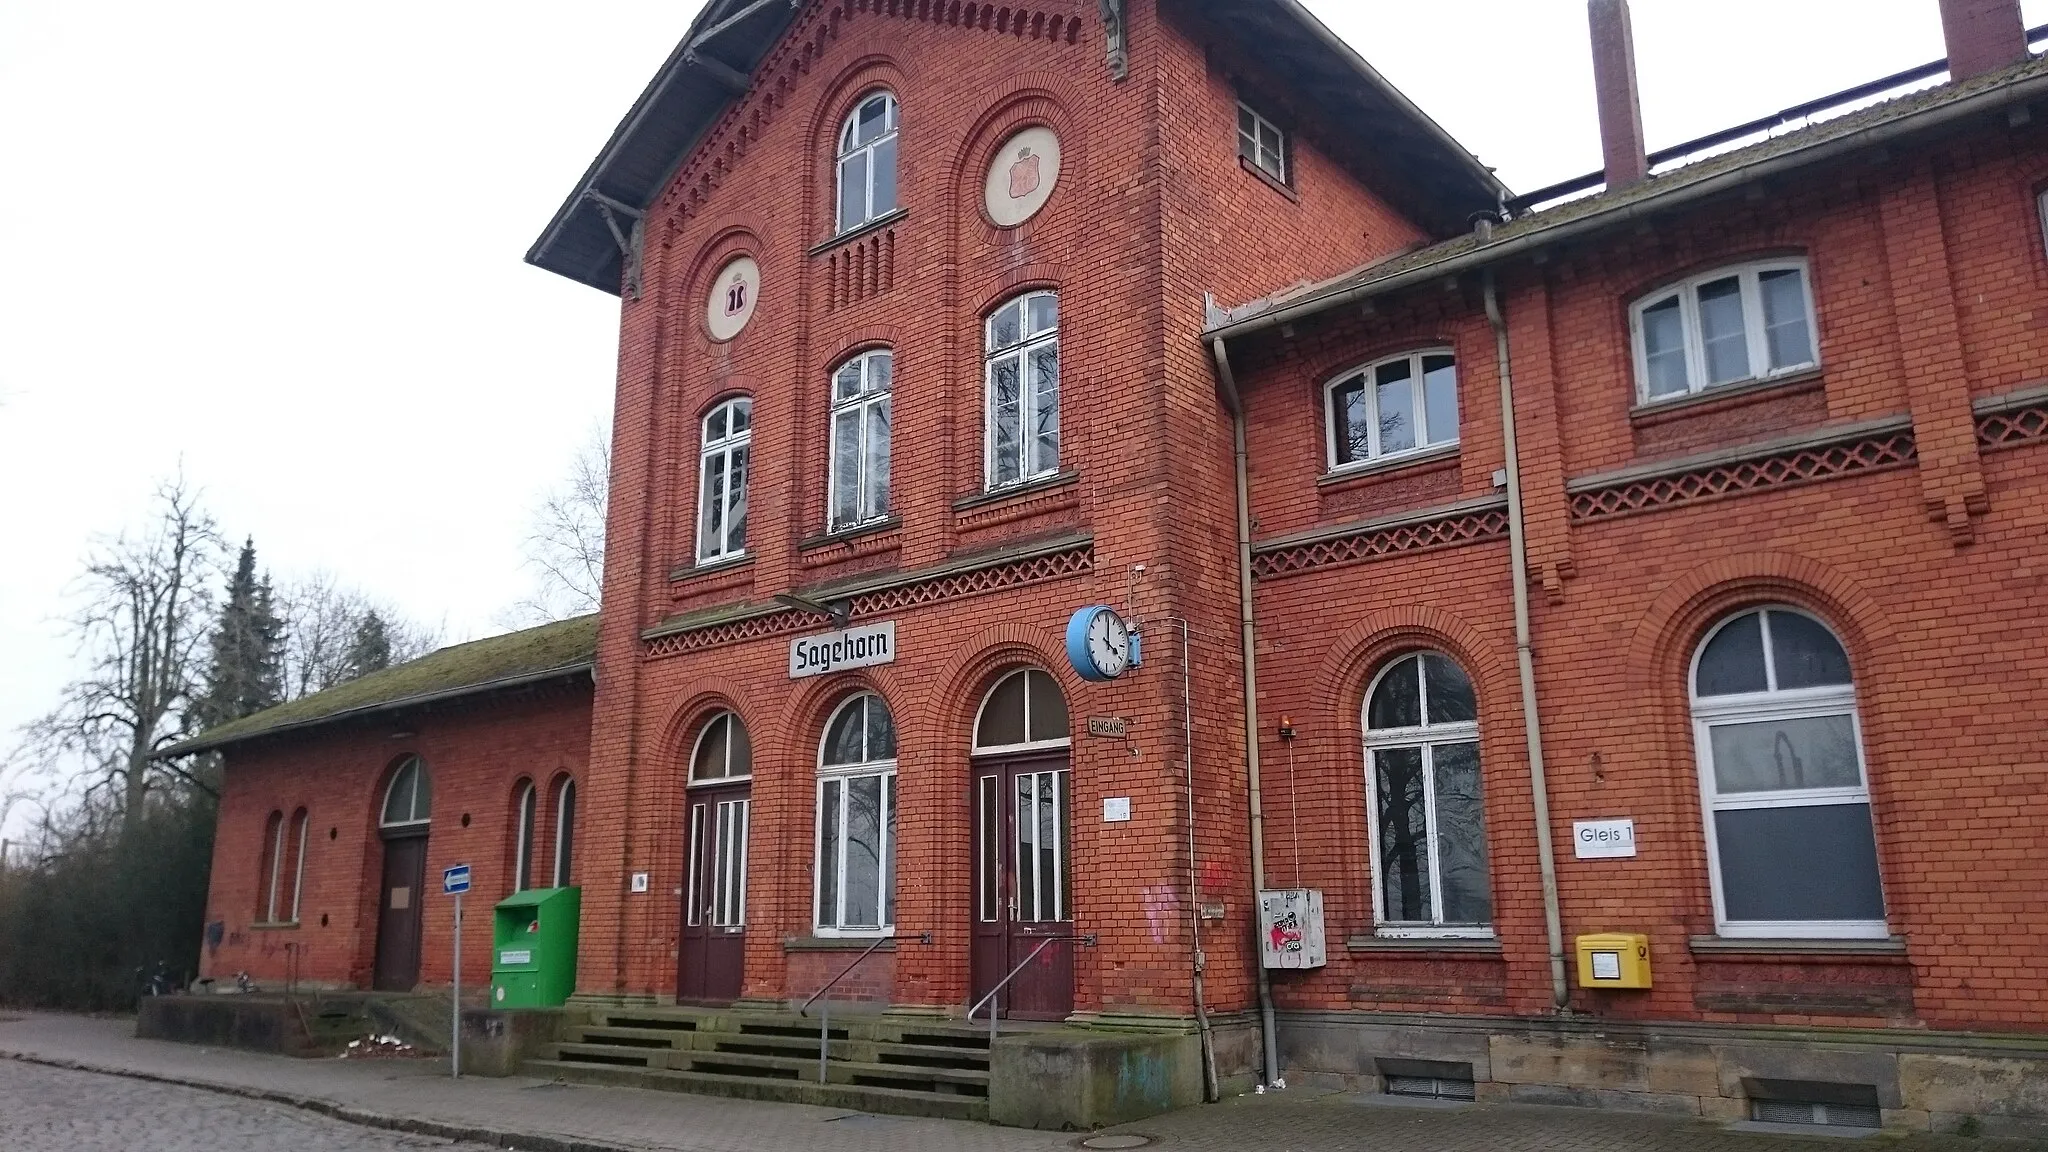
x=1023, y=892
x=710, y=963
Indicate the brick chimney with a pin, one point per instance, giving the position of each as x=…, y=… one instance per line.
x=1983, y=36
x=1624, y=155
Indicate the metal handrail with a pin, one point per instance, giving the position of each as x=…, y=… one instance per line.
x=825, y=1017
x=1086, y=939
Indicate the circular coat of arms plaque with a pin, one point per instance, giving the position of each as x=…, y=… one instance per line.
x=733, y=294
x=1021, y=179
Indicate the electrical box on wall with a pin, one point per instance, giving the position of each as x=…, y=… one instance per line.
x=1291, y=928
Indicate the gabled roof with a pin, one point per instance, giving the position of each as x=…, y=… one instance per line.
x=1440, y=182
x=563, y=649
x=1907, y=116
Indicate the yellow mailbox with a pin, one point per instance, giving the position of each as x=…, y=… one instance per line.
x=1614, y=960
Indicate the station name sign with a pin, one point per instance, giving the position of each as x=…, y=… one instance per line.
x=862, y=647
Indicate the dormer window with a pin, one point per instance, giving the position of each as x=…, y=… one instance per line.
x=1728, y=326
x=1261, y=144
x=867, y=162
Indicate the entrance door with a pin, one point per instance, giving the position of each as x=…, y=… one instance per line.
x=712, y=959
x=1022, y=891
x=398, y=915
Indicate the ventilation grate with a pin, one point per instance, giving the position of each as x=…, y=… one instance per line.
x=1430, y=1087
x=1815, y=1114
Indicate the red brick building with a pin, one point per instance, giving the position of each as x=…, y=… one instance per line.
x=1656, y=561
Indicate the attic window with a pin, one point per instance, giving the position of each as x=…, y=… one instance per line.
x=1261, y=144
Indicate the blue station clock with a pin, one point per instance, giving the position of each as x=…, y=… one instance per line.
x=1100, y=645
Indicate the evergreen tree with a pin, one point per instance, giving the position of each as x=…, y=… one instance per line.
x=247, y=673
x=370, y=650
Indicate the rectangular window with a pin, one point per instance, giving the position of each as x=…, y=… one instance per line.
x=1261, y=143
x=1408, y=403
x=722, y=482
x=856, y=852
x=859, y=481
x=1732, y=325
x=1431, y=827
x=1023, y=400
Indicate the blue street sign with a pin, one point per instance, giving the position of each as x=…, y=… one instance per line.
x=455, y=881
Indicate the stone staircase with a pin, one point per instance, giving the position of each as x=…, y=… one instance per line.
x=877, y=1064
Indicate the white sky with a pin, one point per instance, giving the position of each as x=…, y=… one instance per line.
x=282, y=243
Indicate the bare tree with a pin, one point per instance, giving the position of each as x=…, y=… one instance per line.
x=323, y=619
x=146, y=604
x=566, y=548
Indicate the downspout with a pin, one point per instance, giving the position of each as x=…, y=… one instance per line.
x=1248, y=639
x=1525, y=664
x=1211, y=1092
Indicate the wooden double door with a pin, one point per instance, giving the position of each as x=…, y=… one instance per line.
x=711, y=962
x=1023, y=891
x=399, y=898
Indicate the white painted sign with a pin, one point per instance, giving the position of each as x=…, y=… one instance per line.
x=639, y=882
x=521, y=956
x=1603, y=839
x=1116, y=809
x=862, y=647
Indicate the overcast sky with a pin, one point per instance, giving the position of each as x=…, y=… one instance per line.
x=280, y=245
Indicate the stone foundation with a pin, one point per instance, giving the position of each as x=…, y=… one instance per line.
x=1920, y=1081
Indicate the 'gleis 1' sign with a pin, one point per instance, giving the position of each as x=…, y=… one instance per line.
x=862, y=647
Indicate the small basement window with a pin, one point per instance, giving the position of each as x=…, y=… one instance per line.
x=1813, y=1103
x=1428, y=1079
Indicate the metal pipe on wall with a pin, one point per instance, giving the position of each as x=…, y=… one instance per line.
x=1211, y=1090
x=1525, y=665
x=1248, y=638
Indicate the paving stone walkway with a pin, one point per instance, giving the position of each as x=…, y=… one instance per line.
x=153, y=1107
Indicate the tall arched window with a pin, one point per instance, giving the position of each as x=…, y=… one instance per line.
x=526, y=809
x=1428, y=814
x=1789, y=835
x=272, y=867
x=867, y=161
x=565, y=830
x=722, y=483
x=856, y=846
x=860, y=439
x=297, y=840
x=408, y=801
x=1023, y=712
x=1021, y=437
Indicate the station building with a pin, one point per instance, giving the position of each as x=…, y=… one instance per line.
x=1653, y=555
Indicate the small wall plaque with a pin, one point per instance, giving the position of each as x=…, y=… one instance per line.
x=1115, y=726
x=1116, y=809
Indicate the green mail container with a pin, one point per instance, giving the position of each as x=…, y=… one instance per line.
x=533, y=948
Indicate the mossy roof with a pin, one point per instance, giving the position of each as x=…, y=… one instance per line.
x=516, y=658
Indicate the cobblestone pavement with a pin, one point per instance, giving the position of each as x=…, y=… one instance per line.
x=79, y=1110
x=56, y=1110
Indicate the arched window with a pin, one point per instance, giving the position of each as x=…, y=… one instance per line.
x=867, y=162
x=1390, y=408
x=856, y=847
x=1747, y=322
x=722, y=484
x=724, y=752
x=860, y=439
x=522, y=836
x=1428, y=814
x=408, y=802
x=1787, y=801
x=1024, y=711
x=1021, y=438
x=565, y=830
x=272, y=867
x=297, y=840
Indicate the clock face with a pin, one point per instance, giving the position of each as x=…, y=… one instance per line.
x=1109, y=643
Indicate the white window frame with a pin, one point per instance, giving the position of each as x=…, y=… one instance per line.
x=891, y=125
x=697, y=748
x=1252, y=147
x=860, y=405
x=1029, y=745
x=421, y=783
x=722, y=450
x=303, y=819
x=1687, y=292
x=846, y=774
x=525, y=821
x=1425, y=736
x=276, y=868
x=1775, y=704
x=565, y=831
x=1374, y=456
x=1028, y=407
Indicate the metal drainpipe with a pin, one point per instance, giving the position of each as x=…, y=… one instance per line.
x=1248, y=638
x=1518, y=551
x=1210, y=1090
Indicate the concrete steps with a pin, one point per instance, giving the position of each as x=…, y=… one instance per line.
x=874, y=1064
